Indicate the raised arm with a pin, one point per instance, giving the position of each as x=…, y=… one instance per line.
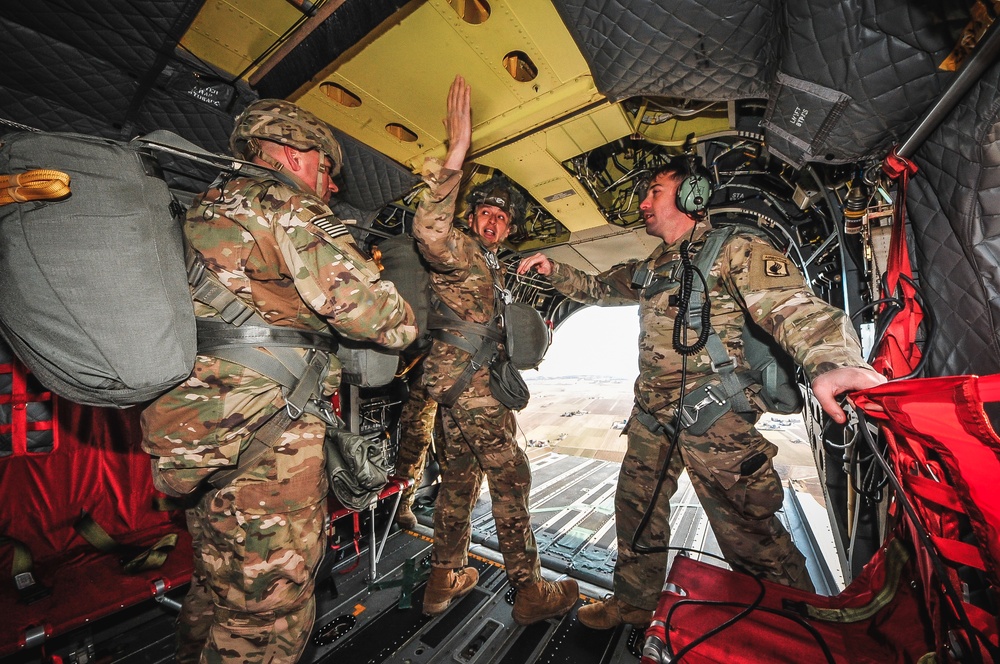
x=458, y=123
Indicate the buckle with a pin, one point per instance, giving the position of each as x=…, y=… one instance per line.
x=294, y=412
x=689, y=414
x=29, y=591
x=729, y=365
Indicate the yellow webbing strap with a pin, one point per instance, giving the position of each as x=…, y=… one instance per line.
x=133, y=559
x=22, y=571
x=35, y=185
x=896, y=557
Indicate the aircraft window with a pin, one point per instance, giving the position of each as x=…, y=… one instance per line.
x=341, y=95
x=473, y=12
x=520, y=66
x=400, y=132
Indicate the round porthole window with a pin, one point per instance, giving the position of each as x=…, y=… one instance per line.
x=400, y=132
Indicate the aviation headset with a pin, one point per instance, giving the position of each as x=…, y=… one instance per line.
x=695, y=189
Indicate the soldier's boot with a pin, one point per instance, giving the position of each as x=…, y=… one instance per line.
x=404, y=515
x=444, y=585
x=611, y=612
x=544, y=599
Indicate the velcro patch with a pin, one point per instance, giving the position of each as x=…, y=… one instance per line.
x=769, y=269
x=775, y=267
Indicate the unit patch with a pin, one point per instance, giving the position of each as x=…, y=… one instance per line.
x=775, y=266
x=769, y=269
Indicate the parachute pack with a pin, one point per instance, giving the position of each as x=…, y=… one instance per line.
x=92, y=267
x=96, y=299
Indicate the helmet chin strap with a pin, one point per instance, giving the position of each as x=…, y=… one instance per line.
x=254, y=146
x=321, y=170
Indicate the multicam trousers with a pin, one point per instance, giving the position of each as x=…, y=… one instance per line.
x=416, y=426
x=252, y=591
x=740, y=506
x=479, y=442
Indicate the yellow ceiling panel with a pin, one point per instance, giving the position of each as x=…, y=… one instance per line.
x=403, y=76
x=605, y=124
x=229, y=34
x=530, y=164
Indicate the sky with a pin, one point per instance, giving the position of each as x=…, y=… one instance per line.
x=595, y=341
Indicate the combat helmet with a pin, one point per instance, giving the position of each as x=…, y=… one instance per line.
x=283, y=122
x=499, y=192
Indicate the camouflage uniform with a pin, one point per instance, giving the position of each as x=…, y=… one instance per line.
x=416, y=425
x=259, y=540
x=478, y=431
x=749, y=275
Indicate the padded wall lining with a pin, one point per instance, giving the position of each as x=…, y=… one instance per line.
x=954, y=210
x=714, y=50
x=873, y=69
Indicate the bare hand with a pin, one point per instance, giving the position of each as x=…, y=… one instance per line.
x=539, y=262
x=828, y=386
x=458, y=123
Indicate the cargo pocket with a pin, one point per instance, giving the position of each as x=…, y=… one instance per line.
x=757, y=494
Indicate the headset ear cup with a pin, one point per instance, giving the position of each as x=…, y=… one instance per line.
x=693, y=194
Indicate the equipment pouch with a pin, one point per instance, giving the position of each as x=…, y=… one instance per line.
x=507, y=385
x=357, y=468
x=527, y=335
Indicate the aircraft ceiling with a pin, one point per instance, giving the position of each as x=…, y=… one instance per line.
x=574, y=99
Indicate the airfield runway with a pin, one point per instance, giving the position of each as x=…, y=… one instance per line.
x=582, y=416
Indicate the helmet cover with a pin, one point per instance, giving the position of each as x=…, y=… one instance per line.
x=283, y=122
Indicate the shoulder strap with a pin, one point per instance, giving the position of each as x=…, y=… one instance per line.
x=166, y=141
x=722, y=364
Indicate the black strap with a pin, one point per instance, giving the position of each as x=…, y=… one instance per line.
x=483, y=356
x=446, y=326
x=217, y=334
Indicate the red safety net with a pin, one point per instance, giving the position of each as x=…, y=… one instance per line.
x=945, y=455
x=898, y=353
x=92, y=462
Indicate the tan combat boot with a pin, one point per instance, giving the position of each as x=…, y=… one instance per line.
x=405, y=516
x=611, y=612
x=543, y=600
x=445, y=585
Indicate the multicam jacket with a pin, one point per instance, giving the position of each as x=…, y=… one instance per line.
x=283, y=252
x=460, y=276
x=749, y=276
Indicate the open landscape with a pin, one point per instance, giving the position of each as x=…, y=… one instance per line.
x=583, y=416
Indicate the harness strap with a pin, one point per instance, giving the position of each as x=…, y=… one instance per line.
x=483, y=356
x=652, y=424
x=263, y=439
x=29, y=589
x=446, y=326
x=207, y=289
x=724, y=367
x=214, y=335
